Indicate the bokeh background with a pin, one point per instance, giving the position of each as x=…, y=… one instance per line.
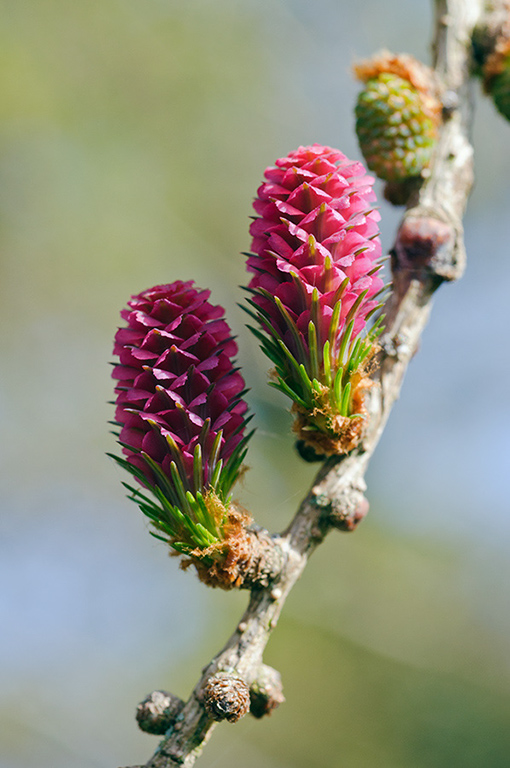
x=133, y=135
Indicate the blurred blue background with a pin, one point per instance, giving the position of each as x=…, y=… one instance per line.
x=134, y=134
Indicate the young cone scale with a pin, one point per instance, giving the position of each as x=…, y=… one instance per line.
x=182, y=419
x=397, y=115
x=315, y=258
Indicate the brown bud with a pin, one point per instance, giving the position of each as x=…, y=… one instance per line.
x=226, y=697
x=158, y=711
x=424, y=245
x=266, y=691
x=346, y=517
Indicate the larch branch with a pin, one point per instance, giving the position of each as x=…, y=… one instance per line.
x=428, y=250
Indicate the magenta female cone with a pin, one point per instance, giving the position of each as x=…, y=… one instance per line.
x=316, y=258
x=181, y=414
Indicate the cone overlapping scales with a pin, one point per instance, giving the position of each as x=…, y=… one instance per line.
x=179, y=404
x=396, y=134
x=317, y=225
x=314, y=257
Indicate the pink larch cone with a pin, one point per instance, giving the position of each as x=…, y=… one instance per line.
x=316, y=258
x=181, y=412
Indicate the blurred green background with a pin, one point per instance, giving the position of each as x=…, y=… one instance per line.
x=134, y=134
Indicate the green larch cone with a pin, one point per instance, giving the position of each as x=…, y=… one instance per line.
x=397, y=116
x=394, y=135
